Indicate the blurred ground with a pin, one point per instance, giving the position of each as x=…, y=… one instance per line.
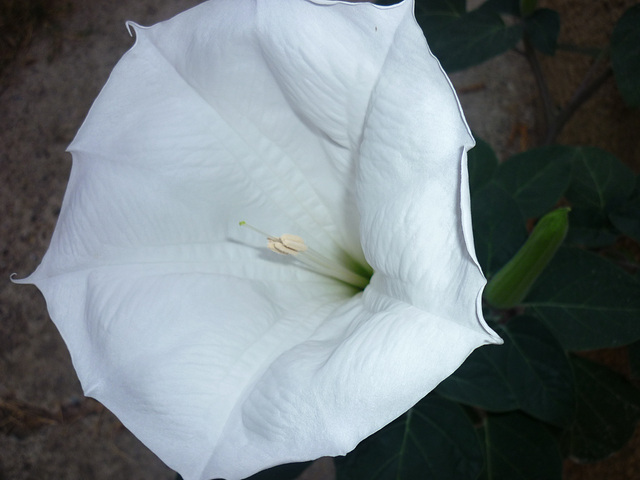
x=55, y=56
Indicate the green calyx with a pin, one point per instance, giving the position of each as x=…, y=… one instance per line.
x=512, y=283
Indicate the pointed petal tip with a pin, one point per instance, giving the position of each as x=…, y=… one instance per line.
x=493, y=338
x=369, y=3
x=131, y=27
x=21, y=281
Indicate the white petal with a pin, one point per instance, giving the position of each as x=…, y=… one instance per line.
x=413, y=192
x=221, y=356
x=173, y=354
x=366, y=364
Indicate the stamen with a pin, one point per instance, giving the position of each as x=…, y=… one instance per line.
x=294, y=245
x=287, y=244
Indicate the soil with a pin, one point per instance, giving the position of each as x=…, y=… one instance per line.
x=54, y=57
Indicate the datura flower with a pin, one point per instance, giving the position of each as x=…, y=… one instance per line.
x=265, y=252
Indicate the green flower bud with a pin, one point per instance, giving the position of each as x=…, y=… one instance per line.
x=512, y=283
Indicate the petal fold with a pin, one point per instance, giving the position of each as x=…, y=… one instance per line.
x=412, y=187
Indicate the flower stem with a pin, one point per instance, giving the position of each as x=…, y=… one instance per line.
x=543, y=88
x=582, y=94
x=556, y=121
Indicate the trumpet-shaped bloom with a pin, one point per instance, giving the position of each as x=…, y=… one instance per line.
x=329, y=121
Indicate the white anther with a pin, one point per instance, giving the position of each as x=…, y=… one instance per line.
x=287, y=244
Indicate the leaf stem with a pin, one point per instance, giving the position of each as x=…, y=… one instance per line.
x=556, y=120
x=543, y=88
x=581, y=95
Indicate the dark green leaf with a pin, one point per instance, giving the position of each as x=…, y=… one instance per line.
x=511, y=7
x=529, y=372
x=482, y=164
x=600, y=184
x=607, y=410
x=626, y=217
x=599, y=180
x=634, y=359
x=435, y=439
x=588, y=302
x=625, y=55
x=461, y=39
x=542, y=29
x=289, y=471
x=520, y=448
x=590, y=228
x=498, y=227
x=527, y=7
x=436, y=12
x=537, y=178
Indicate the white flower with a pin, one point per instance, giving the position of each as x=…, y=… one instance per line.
x=327, y=120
